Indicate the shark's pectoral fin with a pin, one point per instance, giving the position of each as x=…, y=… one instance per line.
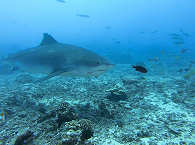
x=51, y=75
x=56, y=72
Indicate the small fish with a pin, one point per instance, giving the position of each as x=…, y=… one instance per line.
x=177, y=57
x=155, y=59
x=177, y=38
x=162, y=51
x=184, y=50
x=179, y=43
x=83, y=15
x=140, y=68
x=108, y=27
x=174, y=34
x=192, y=62
x=184, y=70
x=180, y=70
x=2, y=116
x=187, y=69
x=118, y=42
x=184, y=33
x=61, y=1
x=155, y=31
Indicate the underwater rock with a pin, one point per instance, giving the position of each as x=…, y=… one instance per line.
x=65, y=113
x=111, y=142
x=117, y=93
x=144, y=133
x=104, y=111
x=24, y=138
x=86, y=110
x=86, y=126
x=78, y=132
x=58, y=116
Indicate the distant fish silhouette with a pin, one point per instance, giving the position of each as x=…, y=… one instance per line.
x=179, y=43
x=155, y=31
x=155, y=59
x=118, y=42
x=174, y=35
x=83, y=15
x=140, y=68
x=108, y=27
x=184, y=50
x=184, y=33
x=61, y=1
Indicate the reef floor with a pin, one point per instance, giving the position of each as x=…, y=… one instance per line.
x=120, y=107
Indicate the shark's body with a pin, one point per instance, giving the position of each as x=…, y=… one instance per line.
x=54, y=58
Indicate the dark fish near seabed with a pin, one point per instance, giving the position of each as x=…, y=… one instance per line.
x=54, y=58
x=140, y=68
x=82, y=15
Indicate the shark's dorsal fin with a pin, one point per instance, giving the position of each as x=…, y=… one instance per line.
x=47, y=39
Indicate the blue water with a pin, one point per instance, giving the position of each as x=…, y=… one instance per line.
x=142, y=27
x=158, y=107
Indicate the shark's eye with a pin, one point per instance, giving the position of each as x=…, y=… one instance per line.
x=98, y=63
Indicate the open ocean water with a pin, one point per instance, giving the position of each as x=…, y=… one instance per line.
x=97, y=72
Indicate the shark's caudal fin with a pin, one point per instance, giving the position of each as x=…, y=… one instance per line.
x=47, y=39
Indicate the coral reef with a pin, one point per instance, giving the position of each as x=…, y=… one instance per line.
x=116, y=108
x=24, y=78
x=65, y=113
x=24, y=138
x=77, y=132
x=117, y=93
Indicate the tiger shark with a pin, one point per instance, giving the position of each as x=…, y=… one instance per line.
x=54, y=58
